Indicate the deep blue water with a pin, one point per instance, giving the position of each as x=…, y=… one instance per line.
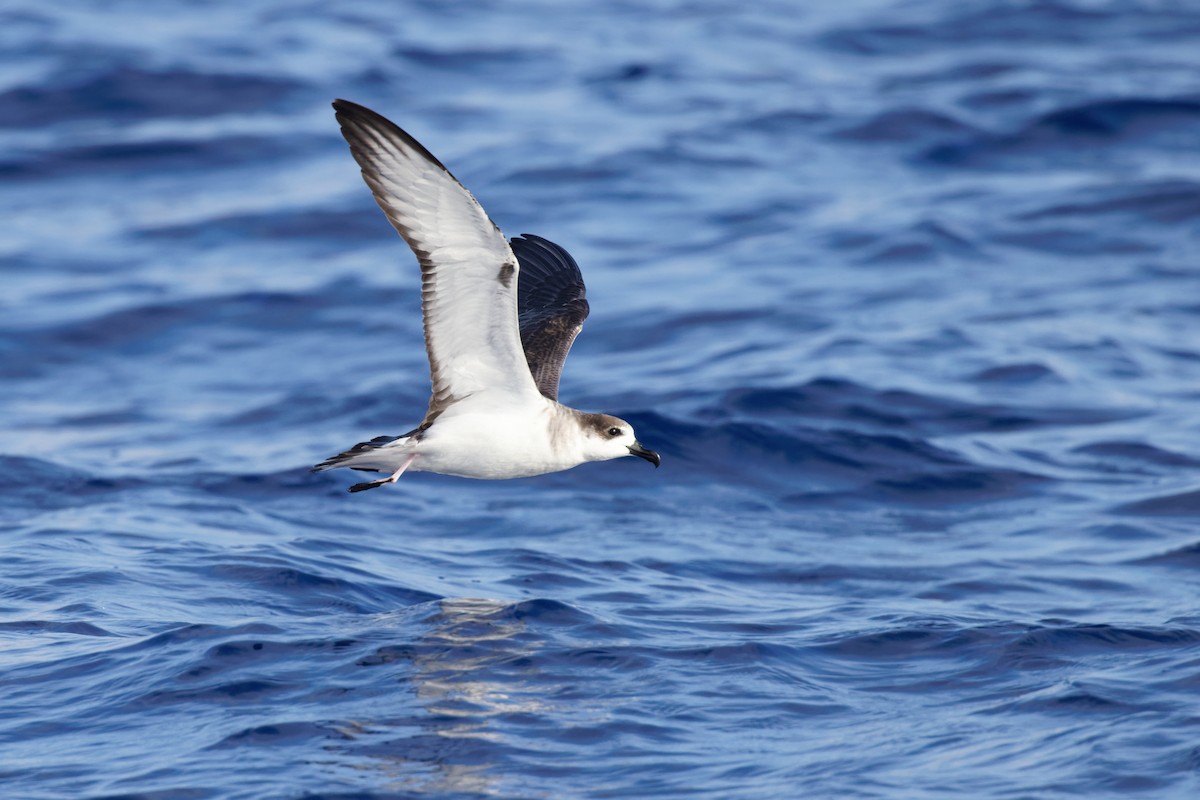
x=906, y=293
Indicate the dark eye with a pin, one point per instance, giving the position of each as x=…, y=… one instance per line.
x=614, y=431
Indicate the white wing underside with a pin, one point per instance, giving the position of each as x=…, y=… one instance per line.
x=468, y=271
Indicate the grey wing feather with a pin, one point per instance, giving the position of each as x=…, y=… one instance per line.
x=467, y=268
x=551, y=307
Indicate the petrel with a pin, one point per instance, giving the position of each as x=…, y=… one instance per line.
x=500, y=317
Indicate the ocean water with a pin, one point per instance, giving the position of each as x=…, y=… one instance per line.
x=905, y=292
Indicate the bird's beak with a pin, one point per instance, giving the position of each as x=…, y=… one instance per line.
x=641, y=452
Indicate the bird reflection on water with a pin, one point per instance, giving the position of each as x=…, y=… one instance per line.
x=460, y=672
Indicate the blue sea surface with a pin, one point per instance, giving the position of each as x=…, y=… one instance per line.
x=906, y=293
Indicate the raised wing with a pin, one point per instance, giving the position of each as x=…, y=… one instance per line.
x=468, y=271
x=552, y=305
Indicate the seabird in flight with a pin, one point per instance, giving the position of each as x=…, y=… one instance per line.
x=500, y=317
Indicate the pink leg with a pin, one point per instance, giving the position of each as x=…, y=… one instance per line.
x=395, y=476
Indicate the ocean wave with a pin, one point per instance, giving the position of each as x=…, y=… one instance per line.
x=127, y=93
x=902, y=292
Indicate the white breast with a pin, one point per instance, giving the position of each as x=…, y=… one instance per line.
x=475, y=439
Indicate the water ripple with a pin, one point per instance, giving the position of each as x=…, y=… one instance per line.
x=902, y=291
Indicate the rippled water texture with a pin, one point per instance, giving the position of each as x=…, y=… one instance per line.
x=905, y=293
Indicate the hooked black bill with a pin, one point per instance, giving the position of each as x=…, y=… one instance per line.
x=641, y=452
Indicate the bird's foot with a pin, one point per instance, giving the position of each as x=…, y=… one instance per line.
x=395, y=476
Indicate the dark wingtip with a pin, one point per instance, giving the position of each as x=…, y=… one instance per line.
x=351, y=115
x=343, y=108
x=347, y=111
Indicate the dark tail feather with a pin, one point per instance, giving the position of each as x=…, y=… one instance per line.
x=357, y=450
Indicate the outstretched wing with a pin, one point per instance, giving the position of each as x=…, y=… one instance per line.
x=468, y=271
x=552, y=303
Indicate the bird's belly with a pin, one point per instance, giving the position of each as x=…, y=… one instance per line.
x=491, y=448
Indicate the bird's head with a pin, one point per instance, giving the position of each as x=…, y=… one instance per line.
x=609, y=437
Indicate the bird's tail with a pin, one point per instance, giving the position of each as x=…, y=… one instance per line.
x=362, y=456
